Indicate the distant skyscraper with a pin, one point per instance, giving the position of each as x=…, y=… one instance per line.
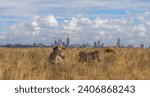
x=102, y=45
x=60, y=42
x=55, y=43
x=64, y=44
x=87, y=45
x=94, y=44
x=98, y=43
x=142, y=45
x=68, y=42
x=118, y=42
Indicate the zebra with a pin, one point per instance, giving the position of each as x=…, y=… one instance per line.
x=88, y=56
x=57, y=55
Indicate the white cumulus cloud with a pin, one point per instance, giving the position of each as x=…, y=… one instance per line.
x=81, y=29
x=51, y=21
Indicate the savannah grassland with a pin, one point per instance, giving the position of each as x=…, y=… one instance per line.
x=32, y=63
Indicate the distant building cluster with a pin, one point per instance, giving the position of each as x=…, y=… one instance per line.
x=24, y=45
x=98, y=44
x=67, y=43
x=60, y=42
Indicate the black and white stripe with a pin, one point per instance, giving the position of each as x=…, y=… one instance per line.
x=88, y=56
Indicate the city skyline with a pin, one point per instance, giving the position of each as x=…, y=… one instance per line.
x=85, y=21
x=67, y=43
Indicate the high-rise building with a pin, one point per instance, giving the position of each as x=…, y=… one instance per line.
x=118, y=42
x=64, y=44
x=142, y=45
x=102, y=45
x=60, y=42
x=87, y=45
x=95, y=45
x=98, y=43
x=68, y=42
x=55, y=43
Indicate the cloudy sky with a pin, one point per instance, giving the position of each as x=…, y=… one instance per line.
x=28, y=21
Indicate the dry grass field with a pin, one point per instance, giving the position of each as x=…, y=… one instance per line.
x=32, y=63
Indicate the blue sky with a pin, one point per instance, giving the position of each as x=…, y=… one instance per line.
x=28, y=21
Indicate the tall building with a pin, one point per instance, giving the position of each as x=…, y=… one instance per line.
x=55, y=43
x=98, y=43
x=142, y=45
x=68, y=42
x=102, y=45
x=60, y=42
x=118, y=42
x=95, y=45
x=64, y=44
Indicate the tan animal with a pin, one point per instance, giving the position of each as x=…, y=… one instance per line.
x=57, y=55
x=109, y=50
x=88, y=56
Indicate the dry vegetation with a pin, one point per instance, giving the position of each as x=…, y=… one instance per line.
x=32, y=63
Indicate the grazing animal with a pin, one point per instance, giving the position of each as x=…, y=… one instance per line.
x=88, y=56
x=57, y=55
x=109, y=50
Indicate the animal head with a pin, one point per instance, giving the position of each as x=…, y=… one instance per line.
x=83, y=56
x=81, y=53
x=59, y=50
x=96, y=55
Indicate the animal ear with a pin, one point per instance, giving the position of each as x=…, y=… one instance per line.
x=55, y=48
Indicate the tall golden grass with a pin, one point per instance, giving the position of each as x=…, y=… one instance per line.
x=32, y=63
